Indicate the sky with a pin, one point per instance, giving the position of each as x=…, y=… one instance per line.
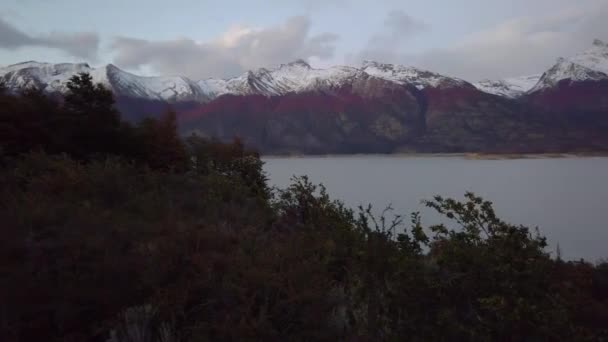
x=470, y=39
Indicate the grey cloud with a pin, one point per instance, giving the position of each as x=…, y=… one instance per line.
x=11, y=38
x=237, y=50
x=401, y=24
x=309, y=6
x=387, y=44
x=84, y=45
x=520, y=46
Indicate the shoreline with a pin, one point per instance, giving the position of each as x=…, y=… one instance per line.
x=463, y=155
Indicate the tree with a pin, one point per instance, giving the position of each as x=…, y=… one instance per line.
x=232, y=160
x=494, y=273
x=170, y=151
x=160, y=145
x=90, y=117
x=86, y=98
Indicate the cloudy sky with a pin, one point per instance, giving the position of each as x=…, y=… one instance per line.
x=471, y=39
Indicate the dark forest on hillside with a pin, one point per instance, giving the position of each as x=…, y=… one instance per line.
x=122, y=232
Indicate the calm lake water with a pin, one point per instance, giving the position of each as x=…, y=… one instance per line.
x=567, y=198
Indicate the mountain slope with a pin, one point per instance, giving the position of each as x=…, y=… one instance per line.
x=402, y=74
x=295, y=77
x=575, y=89
x=52, y=78
x=566, y=70
x=589, y=65
x=45, y=76
x=509, y=87
x=594, y=58
x=378, y=108
x=172, y=89
x=366, y=115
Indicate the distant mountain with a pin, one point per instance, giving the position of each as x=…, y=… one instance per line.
x=54, y=77
x=575, y=87
x=509, y=87
x=295, y=77
x=376, y=107
x=590, y=65
x=409, y=75
x=566, y=70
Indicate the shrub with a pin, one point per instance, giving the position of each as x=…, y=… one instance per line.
x=149, y=238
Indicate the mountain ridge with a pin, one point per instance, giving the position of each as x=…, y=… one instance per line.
x=374, y=108
x=590, y=64
x=297, y=76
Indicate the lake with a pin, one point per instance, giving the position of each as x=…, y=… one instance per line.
x=567, y=198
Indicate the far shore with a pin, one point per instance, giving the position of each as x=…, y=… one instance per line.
x=471, y=156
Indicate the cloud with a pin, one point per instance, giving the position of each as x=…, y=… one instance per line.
x=309, y=6
x=11, y=38
x=238, y=49
x=400, y=24
x=386, y=45
x=520, y=46
x=82, y=45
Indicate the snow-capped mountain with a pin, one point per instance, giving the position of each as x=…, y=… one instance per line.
x=45, y=76
x=567, y=70
x=595, y=58
x=376, y=107
x=590, y=65
x=295, y=77
x=300, y=77
x=406, y=74
x=509, y=87
x=174, y=89
x=54, y=77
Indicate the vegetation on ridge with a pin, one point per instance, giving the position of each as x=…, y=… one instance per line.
x=120, y=232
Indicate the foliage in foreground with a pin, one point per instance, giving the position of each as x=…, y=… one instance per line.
x=184, y=241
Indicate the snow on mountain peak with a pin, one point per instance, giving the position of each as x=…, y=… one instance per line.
x=595, y=58
x=567, y=70
x=509, y=87
x=406, y=74
x=298, y=63
x=168, y=88
x=294, y=77
x=369, y=63
x=589, y=65
x=54, y=78
x=297, y=76
x=46, y=76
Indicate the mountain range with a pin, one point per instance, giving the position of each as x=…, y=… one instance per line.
x=374, y=108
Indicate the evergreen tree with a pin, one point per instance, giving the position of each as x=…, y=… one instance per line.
x=160, y=145
x=170, y=151
x=91, y=117
x=89, y=99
